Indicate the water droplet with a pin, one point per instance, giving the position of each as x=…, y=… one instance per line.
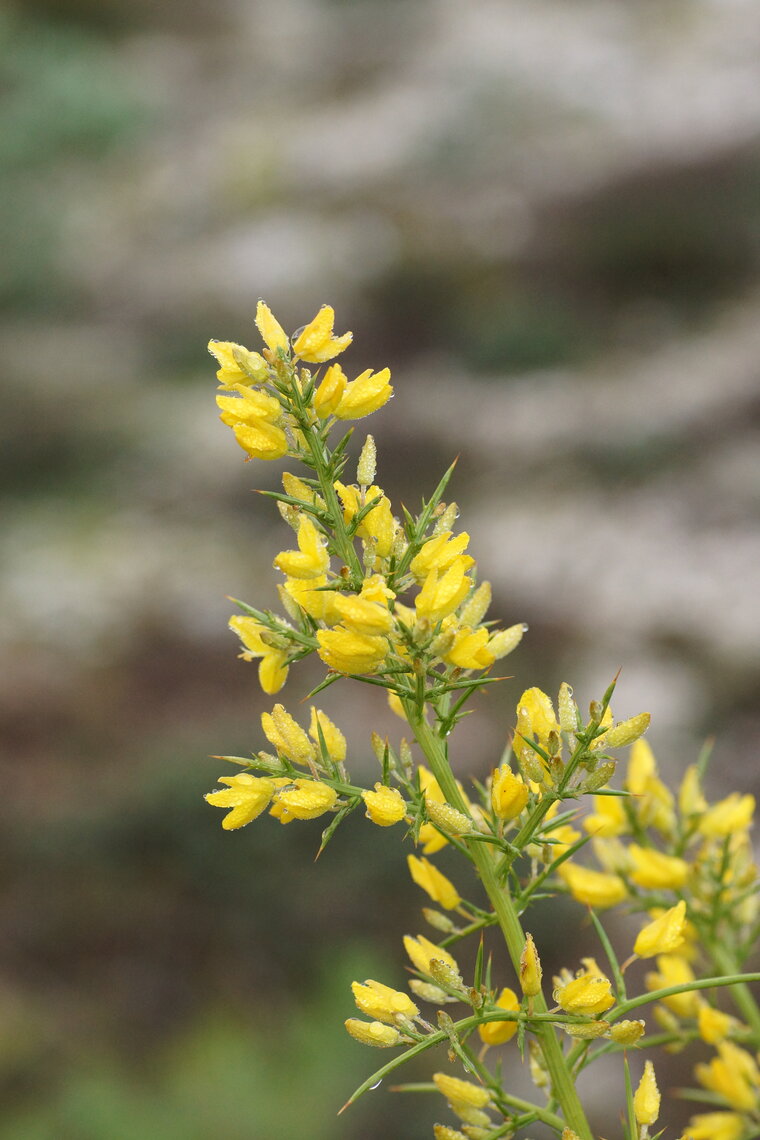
x=525, y=627
x=377, y=1086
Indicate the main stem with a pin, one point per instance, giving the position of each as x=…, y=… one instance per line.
x=563, y=1085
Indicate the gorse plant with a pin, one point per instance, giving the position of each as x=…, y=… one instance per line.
x=394, y=602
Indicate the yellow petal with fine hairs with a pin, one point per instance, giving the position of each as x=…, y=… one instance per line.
x=664, y=935
x=272, y=332
x=316, y=343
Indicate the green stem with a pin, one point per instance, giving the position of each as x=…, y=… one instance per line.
x=740, y=992
x=563, y=1087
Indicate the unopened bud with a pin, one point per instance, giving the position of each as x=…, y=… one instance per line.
x=437, y=920
x=568, y=1134
x=289, y=604
x=505, y=640
x=627, y=731
x=379, y=747
x=627, y=1032
x=587, y=1031
x=443, y=1132
x=446, y=817
x=530, y=968
x=530, y=765
x=556, y=769
x=426, y=991
x=446, y=519
x=445, y=974
x=567, y=709
x=367, y=465
x=596, y=711
x=599, y=777
x=290, y=514
x=443, y=643
x=473, y=612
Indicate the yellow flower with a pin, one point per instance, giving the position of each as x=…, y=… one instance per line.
x=364, y=613
x=440, y=889
x=609, y=819
x=530, y=968
x=509, y=794
x=385, y=806
x=732, y=814
x=272, y=333
x=690, y=798
x=247, y=795
x=307, y=593
x=287, y=736
x=305, y=799
x=382, y=1003
x=664, y=935
x=238, y=365
x=335, y=741
x=273, y=672
x=498, y=1032
x=588, y=993
x=733, y=1075
x=344, y=651
x=464, y=1092
x=470, y=649
x=378, y=525
x=715, y=1126
x=316, y=343
x=646, y=1099
x=655, y=870
x=674, y=970
x=442, y=593
x=655, y=801
x=365, y=395
x=439, y=553
x=714, y=1025
x=593, y=888
x=311, y=560
x=422, y=952
x=249, y=406
x=373, y=1033
x=535, y=721
x=330, y=392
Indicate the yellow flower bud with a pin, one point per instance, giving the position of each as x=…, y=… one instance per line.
x=385, y=806
x=447, y=818
x=249, y=406
x=690, y=798
x=476, y=607
x=426, y=991
x=498, y=1032
x=443, y=1132
x=530, y=968
x=593, y=888
x=464, y=1092
x=247, y=795
x=567, y=708
x=365, y=395
x=312, y=558
x=262, y=440
x=316, y=343
x=588, y=1031
x=344, y=651
x=646, y=1099
x=378, y=526
x=627, y=1032
x=732, y=814
x=363, y=616
x=656, y=871
x=367, y=465
x=272, y=332
x=568, y=1134
x=509, y=794
x=427, y=876
x=373, y=1033
x=504, y=641
x=306, y=799
x=626, y=731
x=273, y=672
x=664, y=935
x=422, y=952
x=382, y=1003
x=733, y=1075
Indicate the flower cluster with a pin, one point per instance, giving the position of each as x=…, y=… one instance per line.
x=393, y=600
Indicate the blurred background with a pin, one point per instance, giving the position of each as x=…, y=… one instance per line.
x=544, y=216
